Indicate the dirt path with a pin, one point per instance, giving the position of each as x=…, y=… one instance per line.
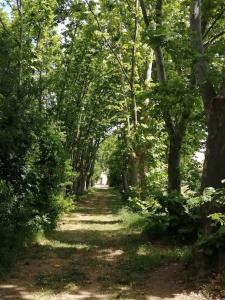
x=91, y=256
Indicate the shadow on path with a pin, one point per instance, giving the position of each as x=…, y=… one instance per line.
x=91, y=256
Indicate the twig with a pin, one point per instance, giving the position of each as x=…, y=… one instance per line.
x=215, y=37
x=219, y=16
x=7, y=31
x=144, y=13
x=109, y=44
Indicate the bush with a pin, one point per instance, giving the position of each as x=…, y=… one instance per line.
x=33, y=178
x=133, y=220
x=167, y=215
x=209, y=248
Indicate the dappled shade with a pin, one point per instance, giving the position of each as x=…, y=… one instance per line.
x=91, y=255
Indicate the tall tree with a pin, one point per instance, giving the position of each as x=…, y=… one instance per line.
x=213, y=96
x=175, y=128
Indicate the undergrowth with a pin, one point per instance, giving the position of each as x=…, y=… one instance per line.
x=133, y=220
x=150, y=255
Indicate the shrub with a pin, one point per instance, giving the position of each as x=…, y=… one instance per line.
x=33, y=182
x=134, y=220
x=209, y=248
x=167, y=215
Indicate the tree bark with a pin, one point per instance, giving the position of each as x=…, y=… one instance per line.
x=160, y=65
x=125, y=182
x=214, y=164
x=214, y=105
x=174, y=155
x=201, y=67
x=133, y=170
x=134, y=176
x=141, y=171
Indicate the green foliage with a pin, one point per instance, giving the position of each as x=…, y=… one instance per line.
x=117, y=164
x=133, y=220
x=162, y=215
x=35, y=170
x=75, y=100
x=211, y=245
x=31, y=197
x=45, y=172
x=104, y=158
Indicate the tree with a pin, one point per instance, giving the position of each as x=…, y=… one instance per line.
x=176, y=127
x=213, y=96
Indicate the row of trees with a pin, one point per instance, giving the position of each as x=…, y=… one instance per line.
x=58, y=85
x=171, y=60
x=188, y=57
x=175, y=59
x=73, y=72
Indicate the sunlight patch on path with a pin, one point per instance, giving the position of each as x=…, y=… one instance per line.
x=84, y=222
x=91, y=256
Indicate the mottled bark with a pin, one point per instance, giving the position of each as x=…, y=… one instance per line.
x=214, y=165
x=201, y=67
x=214, y=104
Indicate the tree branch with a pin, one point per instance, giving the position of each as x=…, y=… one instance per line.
x=218, y=17
x=144, y=13
x=9, y=4
x=110, y=46
x=8, y=32
x=201, y=68
x=133, y=64
x=158, y=12
x=214, y=38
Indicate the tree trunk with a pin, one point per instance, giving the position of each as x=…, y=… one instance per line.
x=160, y=65
x=175, y=131
x=134, y=176
x=200, y=66
x=141, y=170
x=125, y=181
x=214, y=105
x=90, y=174
x=214, y=165
x=174, y=178
x=133, y=171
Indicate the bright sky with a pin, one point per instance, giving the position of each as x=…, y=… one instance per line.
x=5, y=6
x=200, y=156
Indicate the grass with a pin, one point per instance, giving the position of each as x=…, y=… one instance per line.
x=143, y=256
x=64, y=279
x=119, y=228
x=141, y=259
x=164, y=253
x=133, y=220
x=99, y=244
